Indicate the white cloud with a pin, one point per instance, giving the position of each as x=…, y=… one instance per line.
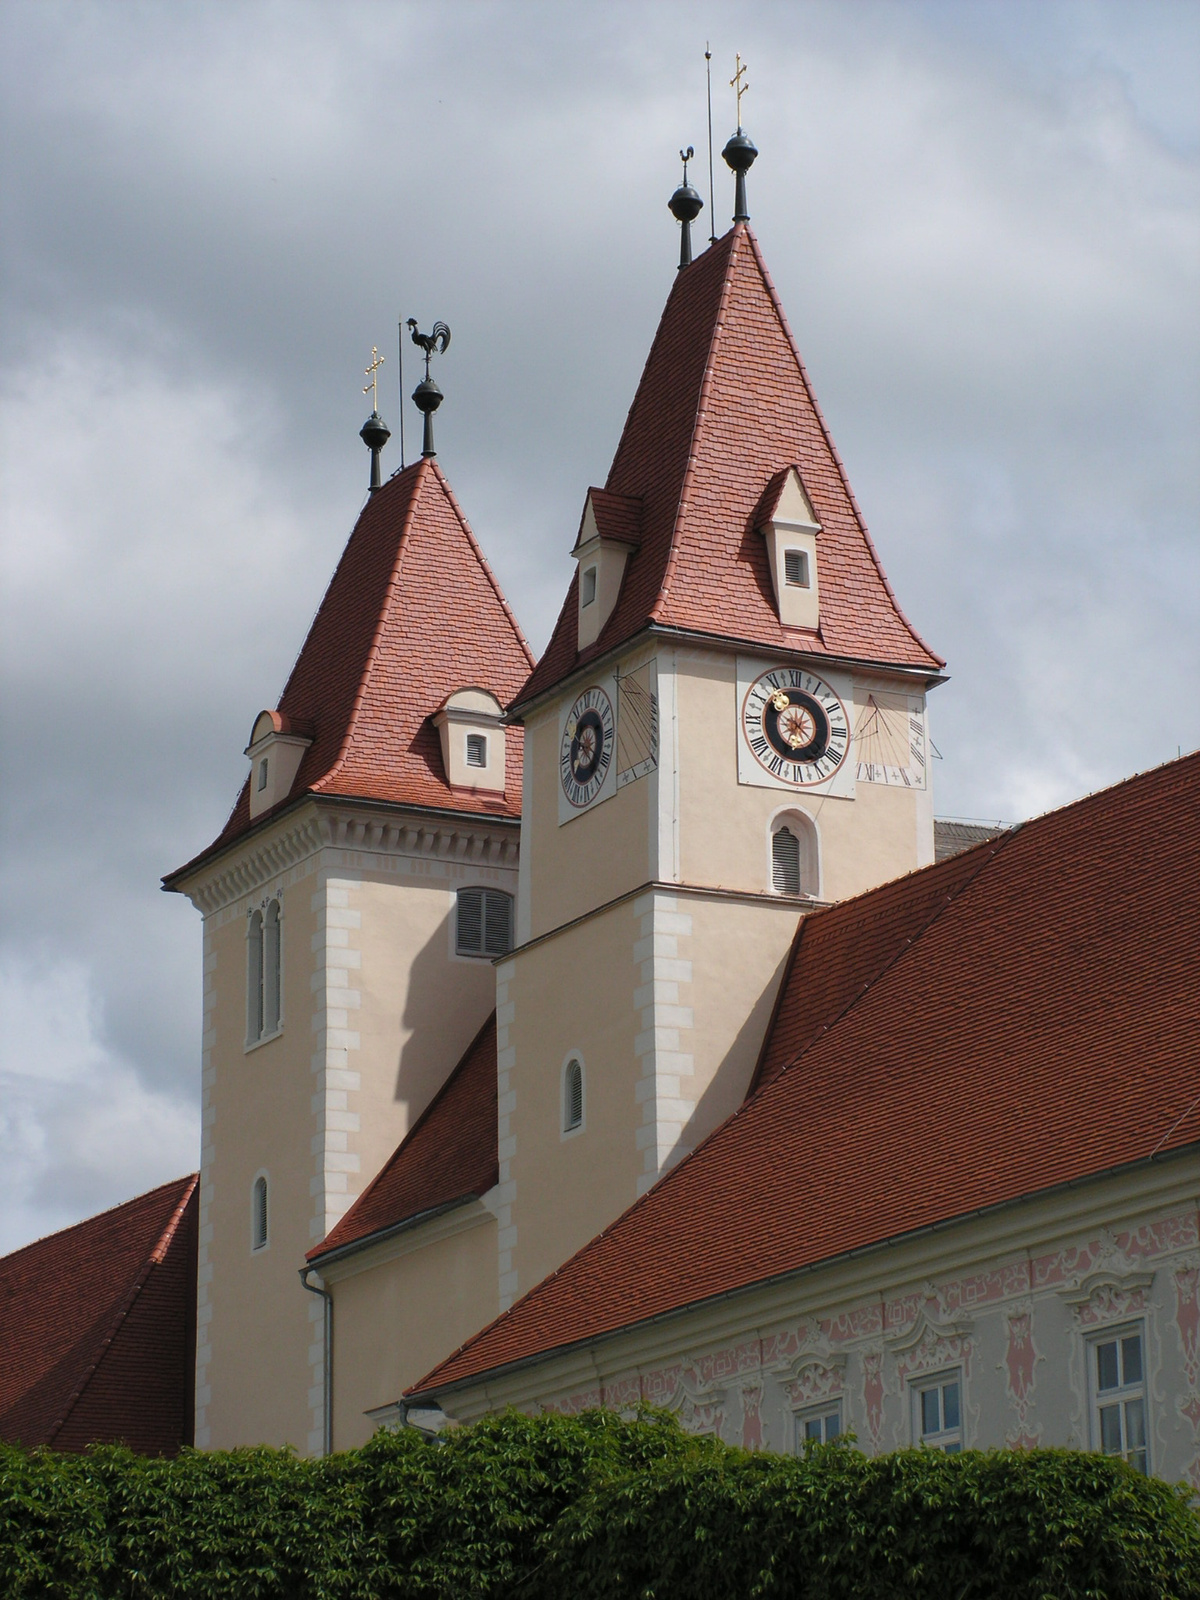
x=78, y=1130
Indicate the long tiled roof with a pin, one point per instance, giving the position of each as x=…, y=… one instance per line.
x=1016, y=1018
x=97, y=1327
x=449, y=1154
x=724, y=405
x=412, y=613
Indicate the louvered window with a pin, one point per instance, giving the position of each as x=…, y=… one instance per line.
x=795, y=568
x=264, y=972
x=477, y=750
x=258, y=1216
x=785, y=862
x=573, y=1096
x=254, y=978
x=483, y=922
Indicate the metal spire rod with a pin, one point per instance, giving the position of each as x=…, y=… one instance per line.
x=400, y=383
x=712, y=210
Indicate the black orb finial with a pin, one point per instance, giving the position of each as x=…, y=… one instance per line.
x=739, y=156
x=375, y=433
x=685, y=205
x=427, y=397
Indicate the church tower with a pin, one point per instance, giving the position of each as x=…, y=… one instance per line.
x=352, y=904
x=727, y=728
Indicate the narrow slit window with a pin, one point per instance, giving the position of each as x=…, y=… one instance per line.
x=477, y=749
x=785, y=862
x=795, y=568
x=254, y=978
x=262, y=775
x=258, y=1217
x=573, y=1096
x=483, y=922
x=589, y=585
x=272, y=969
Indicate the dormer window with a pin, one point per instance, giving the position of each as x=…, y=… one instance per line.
x=610, y=530
x=795, y=566
x=472, y=736
x=276, y=749
x=790, y=528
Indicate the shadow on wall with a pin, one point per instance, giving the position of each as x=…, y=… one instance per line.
x=447, y=1001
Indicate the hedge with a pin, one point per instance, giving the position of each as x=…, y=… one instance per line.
x=569, y=1508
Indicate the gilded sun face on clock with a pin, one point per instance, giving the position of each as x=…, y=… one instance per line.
x=795, y=726
x=587, y=747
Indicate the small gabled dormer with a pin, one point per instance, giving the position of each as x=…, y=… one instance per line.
x=277, y=745
x=790, y=528
x=472, y=734
x=609, y=531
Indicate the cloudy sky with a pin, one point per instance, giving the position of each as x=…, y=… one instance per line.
x=981, y=215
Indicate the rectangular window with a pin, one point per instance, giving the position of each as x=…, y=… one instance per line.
x=937, y=1412
x=483, y=922
x=262, y=775
x=1118, y=1391
x=821, y=1424
x=588, y=586
x=477, y=750
x=795, y=568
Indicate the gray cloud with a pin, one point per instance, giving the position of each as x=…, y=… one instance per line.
x=982, y=220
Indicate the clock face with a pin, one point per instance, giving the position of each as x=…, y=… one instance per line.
x=795, y=726
x=587, y=747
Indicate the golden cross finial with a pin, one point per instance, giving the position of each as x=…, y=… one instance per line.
x=372, y=372
x=736, y=83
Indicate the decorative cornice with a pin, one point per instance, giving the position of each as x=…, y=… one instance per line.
x=350, y=825
x=1080, y=1292
x=926, y=1328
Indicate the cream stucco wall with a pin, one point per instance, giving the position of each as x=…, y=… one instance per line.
x=400, y=1306
x=377, y=1009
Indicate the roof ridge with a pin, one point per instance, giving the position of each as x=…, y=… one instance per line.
x=70, y=1227
x=484, y=563
x=664, y=587
x=777, y=302
x=153, y=1259
x=373, y=650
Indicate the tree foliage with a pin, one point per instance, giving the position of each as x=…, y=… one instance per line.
x=569, y=1508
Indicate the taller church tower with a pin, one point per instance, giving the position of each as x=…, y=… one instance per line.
x=352, y=907
x=727, y=728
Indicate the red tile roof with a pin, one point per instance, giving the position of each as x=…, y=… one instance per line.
x=449, y=1154
x=99, y=1326
x=412, y=613
x=724, y=403
x=1028, y=1019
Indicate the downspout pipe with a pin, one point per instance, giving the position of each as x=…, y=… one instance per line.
x=327, y=1343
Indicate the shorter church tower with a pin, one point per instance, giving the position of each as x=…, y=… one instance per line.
x=352, y=904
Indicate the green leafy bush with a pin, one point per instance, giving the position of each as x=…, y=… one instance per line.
x=554, y=1507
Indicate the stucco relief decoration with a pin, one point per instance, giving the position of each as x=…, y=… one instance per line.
x=1020, y=1362
x=1187, y=1320
x=700, y=1407
x=752, y=1427
x=623, y=1394
x=929, y=1343
x=816, y=1371
x=873, y=1393
x=1108, y=1295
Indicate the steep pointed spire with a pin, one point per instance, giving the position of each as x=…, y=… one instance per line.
x=723, y=405
x=412, y=614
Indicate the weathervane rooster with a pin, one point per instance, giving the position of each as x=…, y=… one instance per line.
x=437, y=339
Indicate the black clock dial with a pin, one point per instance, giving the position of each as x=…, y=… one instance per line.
x=796, y=725
x=587, y=745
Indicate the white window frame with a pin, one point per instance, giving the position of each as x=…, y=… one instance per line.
x=483, y=953
x=952, y=1440
x=581, y=1126
x=261, y=976
x=818, y=1413
x=1120, y=1397
x=588, y=580
x=256, y=1246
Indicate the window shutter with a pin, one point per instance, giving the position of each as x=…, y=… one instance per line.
x=574, y=1097
x=497, y=924
x=476, y=750
x=785, y=862
x=260, y=1213
x=795, y=567
x=470, y=921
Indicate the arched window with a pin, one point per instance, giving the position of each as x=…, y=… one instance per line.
x=483, y=922
x=258, y=1213
x=573, y=1095
x=794, y=864
x=264, y=971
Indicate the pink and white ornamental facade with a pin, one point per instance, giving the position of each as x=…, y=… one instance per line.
x=1071, y=1319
